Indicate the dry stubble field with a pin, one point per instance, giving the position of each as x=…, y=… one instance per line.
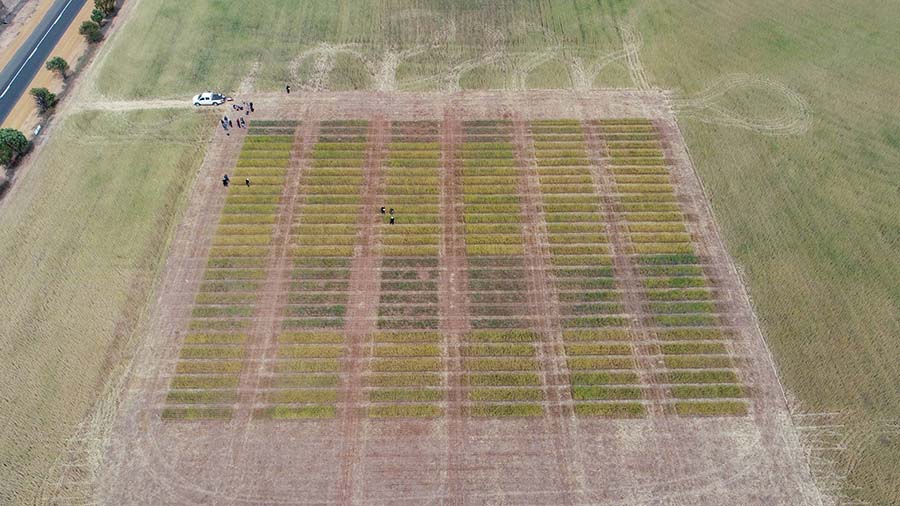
x=553, y=318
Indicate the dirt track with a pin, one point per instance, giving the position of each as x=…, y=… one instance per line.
x=558, y=458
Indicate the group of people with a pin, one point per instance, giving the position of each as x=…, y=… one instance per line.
x=392, y=214
x=227, y=123
x=227, y=180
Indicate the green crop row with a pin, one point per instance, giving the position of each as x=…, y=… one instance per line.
x=201, y=396
x=307, y=366
x=693, y=348
x=506, y=394
x=404, y=411
x=614, y=410
x=583, y=393
x=309, y=396
x=506, y=410
x=218, y=324
x=707, y=391
x=604, y=378
x=208, y=367
x=294, y=412
x=305, y=381
x=699, y=377
x=405, y=380
x=418, y=395
x=597, y=335
x=683, y=307
x=500, y=364
x=505, y=349
x=312, y=323
x=587, y=363
x=671, y=270
x=220, y=311
x=237, y=251
x=686, y=320
x=598, y=349
x=408, y=364
x=211, y=352
x=204, y=382
x=733, y=408
x=193, y=413
x=576, y=260
x=698, y=361
x=205, y=338
x=688, y=334
x=407, y=350
x=310, y=351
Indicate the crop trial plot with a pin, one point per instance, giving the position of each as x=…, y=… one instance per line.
x=541, y=313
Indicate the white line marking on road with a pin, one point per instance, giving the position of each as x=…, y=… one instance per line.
x=49, y=28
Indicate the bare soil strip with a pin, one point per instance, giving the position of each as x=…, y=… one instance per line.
x=361, y=312
x=454, y=322
x=554, y=459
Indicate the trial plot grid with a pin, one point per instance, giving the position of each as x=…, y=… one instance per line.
x=631, y=322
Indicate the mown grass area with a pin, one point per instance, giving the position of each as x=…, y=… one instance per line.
x=82, y=238
x=232, y=41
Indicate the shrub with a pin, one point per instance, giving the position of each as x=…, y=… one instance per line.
x=44, y=99
x=91, y=32
x=13, y=144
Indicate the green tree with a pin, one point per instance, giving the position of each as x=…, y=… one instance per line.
x=97, y=16
x=91, y=31
x=44, y=99
x=106, y=6
x=59, y=65
x=12, y=144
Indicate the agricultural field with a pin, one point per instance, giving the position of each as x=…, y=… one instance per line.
x=554, y=288
x=535, y=283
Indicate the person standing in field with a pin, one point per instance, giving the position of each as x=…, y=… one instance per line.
x=392, y=219
x=251, y=106
x=382, y=209
x=225, y=180
x=230, y=124
x=288, y=89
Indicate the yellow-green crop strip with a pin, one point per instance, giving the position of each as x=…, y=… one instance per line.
x=210, y=360
x=680, y=305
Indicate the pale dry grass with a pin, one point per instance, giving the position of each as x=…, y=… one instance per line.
x=81, y=238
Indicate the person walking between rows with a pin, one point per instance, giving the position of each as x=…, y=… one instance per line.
x=225, y=180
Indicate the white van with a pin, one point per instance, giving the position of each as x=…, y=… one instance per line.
x=209, y=98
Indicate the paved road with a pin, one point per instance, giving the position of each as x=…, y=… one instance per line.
x=18, y=73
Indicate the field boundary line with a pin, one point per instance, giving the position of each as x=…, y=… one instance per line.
x=745, y=299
